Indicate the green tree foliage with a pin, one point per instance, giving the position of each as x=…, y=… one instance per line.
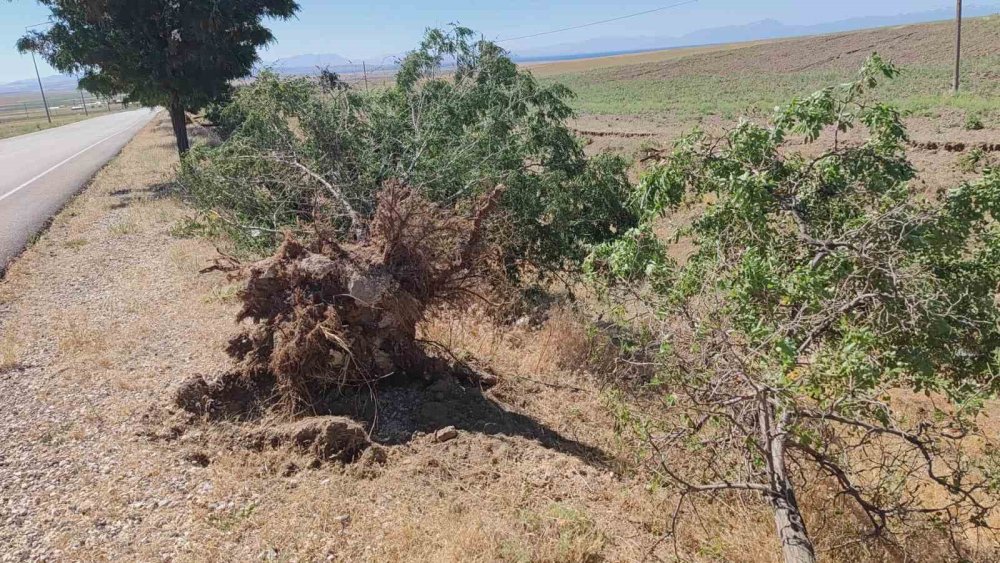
x=177, y=54
x=819, y=289
x=460, y=119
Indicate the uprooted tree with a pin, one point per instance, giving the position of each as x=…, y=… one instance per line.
x=459, y=179
x=180, y=55
x=460, y=119
x=821, y=291
x=331, y=314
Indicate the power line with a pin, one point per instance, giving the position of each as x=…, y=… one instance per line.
x=619, y=18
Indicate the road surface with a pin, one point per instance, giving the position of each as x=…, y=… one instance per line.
x=40, y=172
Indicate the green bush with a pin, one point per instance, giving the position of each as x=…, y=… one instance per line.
x=821, y=288
x=971, y=162
x=460, y=119
x=974, y=123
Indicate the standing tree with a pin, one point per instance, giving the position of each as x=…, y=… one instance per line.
x=180, y=54
x=824, y=292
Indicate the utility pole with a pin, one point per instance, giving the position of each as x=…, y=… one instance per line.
x=364, y=70
x=958, y=44
x=84, y=104
x=39, y=76
x=42, y=88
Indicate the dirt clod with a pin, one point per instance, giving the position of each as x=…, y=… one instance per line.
x=197, y=458
x=445, y=434
x=193, y=394
x=325, y=437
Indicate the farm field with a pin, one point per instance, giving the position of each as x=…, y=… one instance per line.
x=24, y=113
x=631, y=99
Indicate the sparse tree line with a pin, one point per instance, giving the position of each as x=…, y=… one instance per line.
x=820, y=292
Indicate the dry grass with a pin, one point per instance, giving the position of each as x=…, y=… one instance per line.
x=10, y=352
x=545, y=69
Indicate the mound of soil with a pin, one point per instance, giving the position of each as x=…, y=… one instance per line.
x=324, y=437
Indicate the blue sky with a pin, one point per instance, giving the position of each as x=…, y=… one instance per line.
x=372, y=28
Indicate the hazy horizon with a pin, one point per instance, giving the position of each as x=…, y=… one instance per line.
x=402, y=26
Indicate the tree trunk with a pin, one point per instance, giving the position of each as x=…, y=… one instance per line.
x=179, y=121
x=796, y=547
x=795, y=544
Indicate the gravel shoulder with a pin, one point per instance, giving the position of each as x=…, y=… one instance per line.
x=93, y=323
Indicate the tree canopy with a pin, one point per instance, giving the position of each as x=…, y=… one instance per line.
x=177, y=54
x=820, y=289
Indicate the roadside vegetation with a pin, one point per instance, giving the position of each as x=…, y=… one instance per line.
x=13, y=128
x=297, y=155
x=818, y=290
x=440, y=324
x=443, y=189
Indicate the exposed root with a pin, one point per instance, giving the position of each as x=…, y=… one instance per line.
x=328, y=315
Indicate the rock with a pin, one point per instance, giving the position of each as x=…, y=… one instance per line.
x=375, y=455
x=197, y=458
x=325, y=437
x=370, y=288
x=445, y=434
x=193, y=394
x=488, y=380
x=317, y=266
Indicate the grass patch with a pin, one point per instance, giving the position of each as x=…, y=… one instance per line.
x=224, y=294
x=124, y=226
x=10, y=353
x=974, y=123
x=690, y=96
x=76, y=243
x=13, y=128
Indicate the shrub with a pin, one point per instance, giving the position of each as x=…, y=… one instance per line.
x=974, y=123
x=971, y=161
x=820, y=288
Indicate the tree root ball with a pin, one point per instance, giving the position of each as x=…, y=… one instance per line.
x=331, y=314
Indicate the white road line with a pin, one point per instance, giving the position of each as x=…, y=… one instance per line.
x=29, y=182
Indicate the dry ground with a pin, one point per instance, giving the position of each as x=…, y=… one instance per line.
x=107, y=313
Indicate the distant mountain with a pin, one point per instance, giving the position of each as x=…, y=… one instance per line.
x=311, y=64
x=55, y=83
x=311, y=60
x=764, y=29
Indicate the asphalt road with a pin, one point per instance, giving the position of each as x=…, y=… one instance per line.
x=40, y=172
